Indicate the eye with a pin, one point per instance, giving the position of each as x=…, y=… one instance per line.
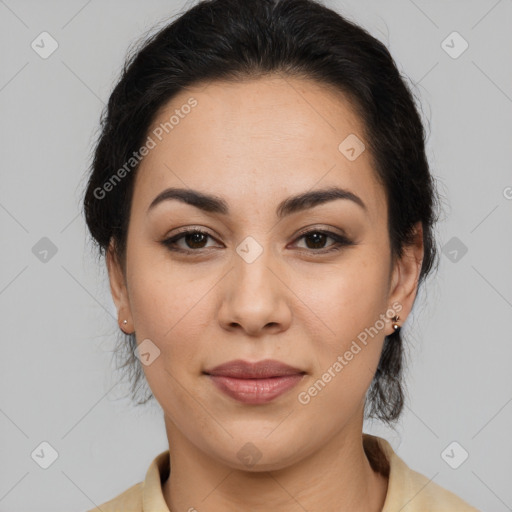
x=193, y=238
x=315, y=239
x=196, y=239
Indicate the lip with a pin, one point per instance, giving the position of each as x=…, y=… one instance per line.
x=241, y=369
x=254, y=383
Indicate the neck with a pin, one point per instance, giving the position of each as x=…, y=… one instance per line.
x=336, y=478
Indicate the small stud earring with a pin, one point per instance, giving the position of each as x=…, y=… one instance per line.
x=395, y=319
x=125, y=322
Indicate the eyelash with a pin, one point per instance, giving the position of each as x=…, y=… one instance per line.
x=340, y=241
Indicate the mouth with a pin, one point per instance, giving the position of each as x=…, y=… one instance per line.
x=254, y=383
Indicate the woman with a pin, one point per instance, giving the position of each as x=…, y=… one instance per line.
x=261, y=193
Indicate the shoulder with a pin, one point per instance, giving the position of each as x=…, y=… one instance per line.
x=410, y=491
x=128, y=501
x=424, y=494
x=146, y=495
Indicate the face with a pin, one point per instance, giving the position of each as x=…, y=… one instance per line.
x=308, y=283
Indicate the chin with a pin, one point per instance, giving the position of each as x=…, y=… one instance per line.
x=260, y=454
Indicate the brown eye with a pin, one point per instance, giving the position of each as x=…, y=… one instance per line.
x=316, y=239
x=193, y=239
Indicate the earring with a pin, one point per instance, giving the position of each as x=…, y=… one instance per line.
x=395, y=319
x=125, y=322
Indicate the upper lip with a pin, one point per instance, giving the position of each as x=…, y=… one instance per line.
x=259, y=370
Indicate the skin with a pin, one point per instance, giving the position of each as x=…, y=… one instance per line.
x=254, y=144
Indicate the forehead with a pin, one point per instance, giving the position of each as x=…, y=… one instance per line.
x=265, y=138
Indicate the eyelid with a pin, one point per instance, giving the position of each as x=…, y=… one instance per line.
x=322, y=228
x=188, y=229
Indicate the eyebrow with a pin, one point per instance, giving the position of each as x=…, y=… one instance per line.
x=214, y=204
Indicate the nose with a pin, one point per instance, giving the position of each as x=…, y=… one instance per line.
x=255, y=297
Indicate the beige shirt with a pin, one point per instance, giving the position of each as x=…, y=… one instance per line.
x=408, y=491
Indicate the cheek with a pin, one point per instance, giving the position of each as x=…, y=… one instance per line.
x=350, y=303
x=172, y=308
x=162, y=295
x=349, y=297
x=171, y=312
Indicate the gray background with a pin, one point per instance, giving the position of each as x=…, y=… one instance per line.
x=58, y=319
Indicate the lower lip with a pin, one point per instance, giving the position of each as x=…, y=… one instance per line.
x=255, y=391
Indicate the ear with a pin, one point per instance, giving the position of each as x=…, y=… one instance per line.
x=118, y=289
x=406, y=272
